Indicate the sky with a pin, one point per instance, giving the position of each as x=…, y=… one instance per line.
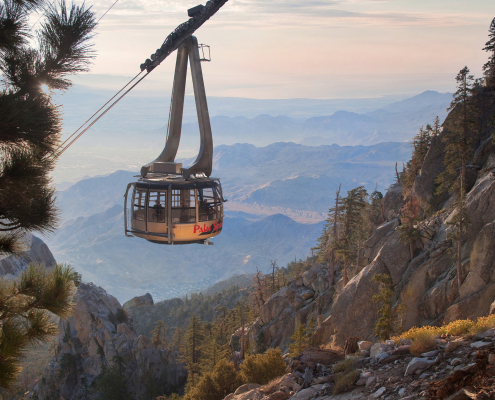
x=301, y=49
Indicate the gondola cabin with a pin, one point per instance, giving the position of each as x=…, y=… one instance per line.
x=173, y=210
x=170, y=204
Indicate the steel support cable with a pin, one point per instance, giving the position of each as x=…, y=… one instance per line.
x=101, y=115
x=183, y=31
x=107, y=11
x=90, y=118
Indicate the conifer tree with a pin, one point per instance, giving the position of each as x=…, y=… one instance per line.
x=352, y=220
x=190, y=352
x=159, y=335
x=459, y=138
x=178, y=338
x=299, y=340
x=327, y=241
x=24, y=313
x=377, y=207
x=68, y=364
x=385, y=325
x=489, y=67
x=30, y=124
x=408, y=231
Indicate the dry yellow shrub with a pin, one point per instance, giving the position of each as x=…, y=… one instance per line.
x=459, y=327
x=423, y=342
x=416, y=332
x=483, y=324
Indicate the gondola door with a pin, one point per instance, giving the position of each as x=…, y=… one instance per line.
x=157, y=218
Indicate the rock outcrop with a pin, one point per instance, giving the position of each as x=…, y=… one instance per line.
x=37, y=252
x=139, y=301
x=308, y=297
x=100, y=335
x=427, y=285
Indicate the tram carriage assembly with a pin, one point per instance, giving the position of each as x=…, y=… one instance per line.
x=170, y=204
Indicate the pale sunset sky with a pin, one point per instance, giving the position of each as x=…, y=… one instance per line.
x=301, y=49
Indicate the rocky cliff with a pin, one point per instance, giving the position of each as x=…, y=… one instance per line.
x=37, y=252
x=99, y=335
x=427, y=284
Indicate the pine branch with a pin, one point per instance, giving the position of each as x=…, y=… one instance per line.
x=14, y=29
x=65, y=44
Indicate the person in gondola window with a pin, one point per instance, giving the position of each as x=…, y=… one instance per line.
x=158, y=211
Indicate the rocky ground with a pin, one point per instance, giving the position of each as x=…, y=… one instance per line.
x=460, y=368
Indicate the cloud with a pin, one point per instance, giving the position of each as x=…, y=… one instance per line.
x=276, y=14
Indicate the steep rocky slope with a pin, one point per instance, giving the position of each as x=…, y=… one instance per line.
x=96, y=337
x=427, y=284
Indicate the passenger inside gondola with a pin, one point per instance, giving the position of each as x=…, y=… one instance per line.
x=157, y=211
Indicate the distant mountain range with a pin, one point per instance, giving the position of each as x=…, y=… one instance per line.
x=126, y=267
x=282, y=178
x=133, y=133
x=292, y=179
x=396, y=122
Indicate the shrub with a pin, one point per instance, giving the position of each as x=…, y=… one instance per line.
x=456, y=328
x=344, y=366
x=121, y=316
x=415, y=332
x=262, y=368
x=423, y=342
x=223, y=380
x=346, y=381
x=483, y=324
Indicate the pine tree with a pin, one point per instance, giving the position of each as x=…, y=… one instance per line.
x=299, y=340
x=489, y=67
x=159, y=335
x=178, y=338
x=352, y=221
x=377, y=207
x=385, y=325
x=30, y=124
x=191, y=347
x=459, y=138
x=25, y=305
x=68, y=364
x=327, y=241
x=408, y=231
x=310, y=332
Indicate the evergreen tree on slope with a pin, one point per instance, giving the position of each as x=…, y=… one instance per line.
x=30, y=123
x=459, y=138
x=489, y=67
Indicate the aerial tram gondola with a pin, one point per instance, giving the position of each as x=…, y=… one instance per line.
x=170, y=204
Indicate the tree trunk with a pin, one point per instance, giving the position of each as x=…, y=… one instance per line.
x=345, y=270
x=335, y=236
x=242, y=334
x=331, y=269
x=461, y=211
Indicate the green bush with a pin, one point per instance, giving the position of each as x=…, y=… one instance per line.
x=215, y=385
x=262, y=368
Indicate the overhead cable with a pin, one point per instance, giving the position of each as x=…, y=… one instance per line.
x=64, y=146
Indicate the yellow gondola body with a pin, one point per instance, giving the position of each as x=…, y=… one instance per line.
x=191, y=210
